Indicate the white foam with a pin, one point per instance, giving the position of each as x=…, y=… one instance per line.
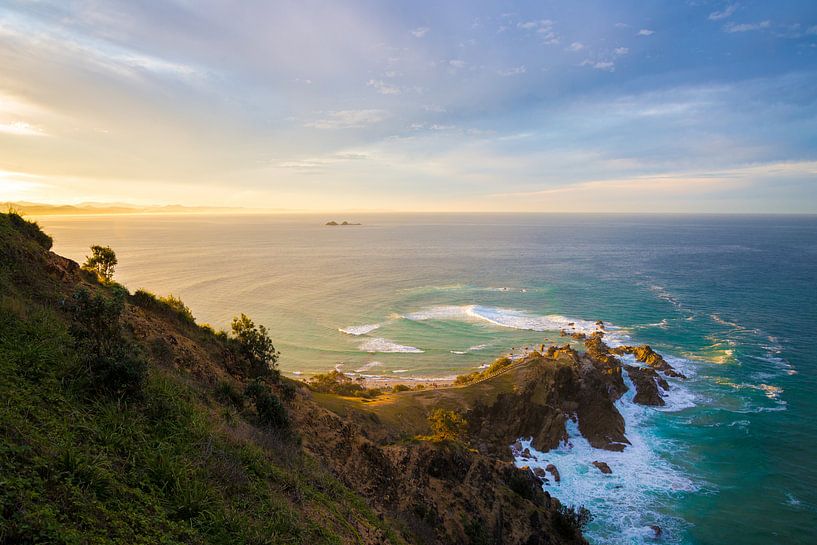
x=379, y=344
x=459, y=352
x=477, y=347
x=626, y=502
x=368, y=366
x=359, y=329
x=503, y=317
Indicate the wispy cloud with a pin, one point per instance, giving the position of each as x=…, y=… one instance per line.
x=607, y=66
x=645, y=32
x=621, y=50
x=575, y=46
x=383, y=88
x=420, y=31
x=349, y=119
x=515, y=71
x=725, y=13
x=21, y=128
x=746, y=27
x=543, y=27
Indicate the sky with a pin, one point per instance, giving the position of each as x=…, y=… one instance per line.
x=592, y=106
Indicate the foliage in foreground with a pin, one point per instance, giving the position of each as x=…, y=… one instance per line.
x=496, y=367
x=90, y=456
x=446, y=426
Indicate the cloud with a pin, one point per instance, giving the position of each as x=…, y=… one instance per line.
x=515, y=71
x=575, y=46
x=746, y=27
x=383, y=88
x=621, y=51
x=456, y=63
x=349, y=119
x=20, y=128
x=724, y=13
x=645, y=32
x=607, y=66
x=420, y=31
x=544, y=27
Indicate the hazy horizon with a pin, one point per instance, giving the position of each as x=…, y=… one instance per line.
x=675, y=107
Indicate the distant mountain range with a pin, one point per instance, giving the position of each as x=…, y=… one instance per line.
x=89, y=208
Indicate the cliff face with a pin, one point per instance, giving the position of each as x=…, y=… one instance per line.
x=188, y=461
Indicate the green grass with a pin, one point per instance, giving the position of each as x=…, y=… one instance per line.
x=171, y=465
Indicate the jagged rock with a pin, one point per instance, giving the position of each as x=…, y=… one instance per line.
x=578, y=336
x=550, y=468
x=603, y=467
x=599, y=324
x=648, y=385
x=657, y=531
x=539, y=472
x=646, y=354
x=526, y=453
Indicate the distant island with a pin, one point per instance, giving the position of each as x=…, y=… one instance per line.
x=336, y=224
x=100, y=208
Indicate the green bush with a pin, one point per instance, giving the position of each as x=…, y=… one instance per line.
x=572, y=520
x=30, y=229
x=102, y=261
x=335, y=382
x=226, y=392
x=113, y=365
x=447, y=425
x=255, y=347
x=169, y=306
x=271, y=411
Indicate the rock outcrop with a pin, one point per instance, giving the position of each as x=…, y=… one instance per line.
x=648, y=385
x=646, y=354
x=603, y=467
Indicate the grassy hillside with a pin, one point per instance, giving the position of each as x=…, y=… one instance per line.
x=94, y=451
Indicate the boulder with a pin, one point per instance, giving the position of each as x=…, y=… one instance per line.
x=648, y=385
x=603, y=467
x=550, y=468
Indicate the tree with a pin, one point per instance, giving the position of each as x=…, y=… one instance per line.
x=255, y=345
x=447, y=425
x=102, y=261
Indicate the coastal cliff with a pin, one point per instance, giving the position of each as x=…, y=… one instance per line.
x=126, y=421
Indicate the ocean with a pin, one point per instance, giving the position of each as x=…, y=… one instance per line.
x=729, y=300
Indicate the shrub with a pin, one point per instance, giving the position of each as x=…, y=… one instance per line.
x=335, y=382
x=498, y=365
x=255, y=346
x=400, y=388
x=29, y=229
x=447, y=425
x=112, y=364
x=226, y=392
x=572, y=520
x=271, y=411
x=170, y=305
x=102, y=261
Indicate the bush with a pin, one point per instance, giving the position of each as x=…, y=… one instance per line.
x=572, y=520
x=498, y=365
x=271, y=411
x=29, y=229
x=335, y=382
x=170, y=305
x=400, y=388
x=102, y=261
x=226, y=392
x=255, y=346
x=112, y=364
x=447, y=425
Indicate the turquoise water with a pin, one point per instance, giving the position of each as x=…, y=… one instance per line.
x=730, y=300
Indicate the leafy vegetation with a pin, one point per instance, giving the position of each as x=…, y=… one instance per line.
x=572, y=520
x=496, y=367
x=271, y=411
x=255, y=345
x=169, y=306
x=335, y=382
x=446, y=425
x=102, y=261
x=95, y=450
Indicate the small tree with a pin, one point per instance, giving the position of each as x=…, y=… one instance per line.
x=255, y=345
x=102, y=261
x=447, y=425
x=271, y=411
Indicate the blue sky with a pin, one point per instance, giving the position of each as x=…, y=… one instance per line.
x=696, y=106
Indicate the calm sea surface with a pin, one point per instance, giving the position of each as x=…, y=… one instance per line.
x=732, y=301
